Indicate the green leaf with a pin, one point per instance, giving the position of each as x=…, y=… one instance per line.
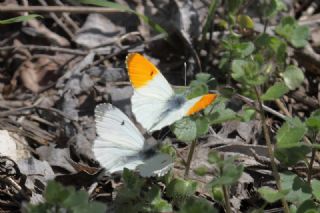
x=276, y=91
x=229, y=174
x=76, y=199
x=203, y=77
x=185, y=129
x=178, y=188
x=291, y=156
x=308, y=206
x=233, y=5
x=286, y=27
x=290, y=30
x=272, y=47
x=213, y=157
x=197, y=88
x=313, y=122
x=95, y=207
x=56, y=193
x=271, y=195
x=248, y=114
x=274, y=7
x=315, y=185
x=19, y=19
x=293, y=77
x=290, y=133
x=217, y=193
x=247, y=72
x=198, y=205
x=299, y=191
x=202, y=124
x=157, y=203
x=300, y=36
x=220, y=114
x=201, y=170
x=243, y=49
x=245, y=22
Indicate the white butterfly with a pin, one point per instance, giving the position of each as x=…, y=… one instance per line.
x=120, y=145
x=154, y=103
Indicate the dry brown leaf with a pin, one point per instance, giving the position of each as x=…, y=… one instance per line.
x=36, y=76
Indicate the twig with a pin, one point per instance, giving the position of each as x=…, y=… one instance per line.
x=283, y=108
x=264, y=107
x=67, y=17
x=58, y=21
x=310, y=170
x=59, y=9
x=46, y=48
x=270, y=150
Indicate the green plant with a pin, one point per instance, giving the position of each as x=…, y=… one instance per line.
x=19, y=19
x=66, y=199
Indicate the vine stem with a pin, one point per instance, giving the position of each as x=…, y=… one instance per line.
x=190, y=154
x=226, y=198
x=270, y=150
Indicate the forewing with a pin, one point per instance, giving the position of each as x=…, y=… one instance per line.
x=116, y=130
x=151, y=90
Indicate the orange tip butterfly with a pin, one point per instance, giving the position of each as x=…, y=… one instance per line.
x=120, y=145
x=154, y=103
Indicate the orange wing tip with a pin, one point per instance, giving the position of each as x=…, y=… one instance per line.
x=205, y=101
x=140, y=70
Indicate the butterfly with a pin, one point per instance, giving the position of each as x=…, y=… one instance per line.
x=120, y=145
x=154, y=103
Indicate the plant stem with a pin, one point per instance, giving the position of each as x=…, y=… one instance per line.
x=313, y=154
x=190, y=154
x=270, y=150
x=226, y=198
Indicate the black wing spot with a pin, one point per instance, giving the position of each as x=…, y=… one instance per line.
x=122, y=123
x=151, y=73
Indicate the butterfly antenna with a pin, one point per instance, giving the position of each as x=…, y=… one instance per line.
x=185, y=73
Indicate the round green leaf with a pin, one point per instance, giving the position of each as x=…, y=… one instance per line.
x=290, y=133
x=178, y=188
x=271, y=195
x=185, y=129
x=276, y=91
x=202, y=124
x=293, y=77
x=245, y=22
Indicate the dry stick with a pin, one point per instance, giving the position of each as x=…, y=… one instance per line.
x=46, y=48
x=264, y=107
x=58, y=21
x=270, y=150
x=309, y=176
x=59, y=9
x=67, y=17
x=190, y=154
x=282, y=107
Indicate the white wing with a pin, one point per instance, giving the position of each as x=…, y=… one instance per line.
x=149, y=102
x=119, y=142
x=157, y=165
x=174, y=114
